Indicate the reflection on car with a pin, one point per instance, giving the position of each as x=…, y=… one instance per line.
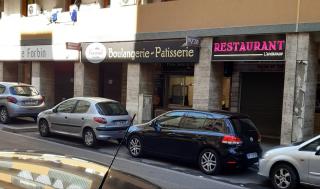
x=289, y=166
x=91, y=118
x=40, y=170
x=212, y=139
x=19, y=100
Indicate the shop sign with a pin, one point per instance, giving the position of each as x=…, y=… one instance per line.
x=162, y=51
x=95, y=52
x=249, y=48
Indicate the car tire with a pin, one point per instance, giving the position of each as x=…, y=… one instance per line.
x=89, y=138
x=44, y=129
x=209, y=162
x=135, y=146
x=4, y=115
x=284, y=176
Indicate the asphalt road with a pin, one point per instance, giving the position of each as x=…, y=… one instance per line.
x=164, y=172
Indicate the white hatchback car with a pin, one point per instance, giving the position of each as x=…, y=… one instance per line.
x=289, y=166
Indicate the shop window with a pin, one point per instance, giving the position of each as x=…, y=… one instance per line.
x=181, y=90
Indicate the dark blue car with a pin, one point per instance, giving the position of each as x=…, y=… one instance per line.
x=211, y=139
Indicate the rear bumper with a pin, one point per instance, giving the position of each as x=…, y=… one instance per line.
x=110, y=134
x=235, y=157
x=15, y=110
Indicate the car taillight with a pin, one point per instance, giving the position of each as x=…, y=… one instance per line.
x=259, y=137
x=42, y=99
x=100, y=120
x=12, y=99
x=227, y=139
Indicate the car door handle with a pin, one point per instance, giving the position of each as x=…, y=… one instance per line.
x=66, y=117
x=82, y=118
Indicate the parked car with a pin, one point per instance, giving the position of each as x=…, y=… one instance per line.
x=211, y=139
x=91, y=118
x=289, y=166
x=19, y=100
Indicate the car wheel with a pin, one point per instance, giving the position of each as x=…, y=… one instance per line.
x=135, y=146
x=89, y=138
x=4, y=115
x=283, y=176
x=44, y=128
x=209, y=162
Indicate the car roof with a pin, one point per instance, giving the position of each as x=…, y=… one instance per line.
x=219, y=114
x=94, y=99
x=10, y=84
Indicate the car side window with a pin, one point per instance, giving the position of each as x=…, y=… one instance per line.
x=215, y=125
x=2, y=89
x=171, y=119
x=193, y=120
x=82, y=107
x=66, y=107
x=312, y=147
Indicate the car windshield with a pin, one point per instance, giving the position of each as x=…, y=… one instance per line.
x=111, y=108
x=24, y=91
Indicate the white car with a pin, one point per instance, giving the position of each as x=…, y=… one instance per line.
x=289, y=166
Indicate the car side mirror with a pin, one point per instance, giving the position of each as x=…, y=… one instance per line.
x=155, y=124
x=54, y=110
x=318, y=151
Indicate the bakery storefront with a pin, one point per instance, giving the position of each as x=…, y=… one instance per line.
x=253, y=78
x=160, y=70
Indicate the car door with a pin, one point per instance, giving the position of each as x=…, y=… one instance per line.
x=188, y=138
x=77, y=118
x=309, y=153
x=59, y=120
x=157, y=139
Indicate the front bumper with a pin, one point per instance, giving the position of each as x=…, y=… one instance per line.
x=263, y=168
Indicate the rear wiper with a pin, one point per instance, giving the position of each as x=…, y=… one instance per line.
x=117, y=151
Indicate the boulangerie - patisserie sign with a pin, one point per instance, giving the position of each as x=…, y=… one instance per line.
x=249, y=48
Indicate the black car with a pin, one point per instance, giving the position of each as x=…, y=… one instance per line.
x=211, y=139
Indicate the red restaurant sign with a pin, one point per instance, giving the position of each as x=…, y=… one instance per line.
x=249, y=48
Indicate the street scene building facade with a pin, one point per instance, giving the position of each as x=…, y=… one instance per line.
x=141, y=54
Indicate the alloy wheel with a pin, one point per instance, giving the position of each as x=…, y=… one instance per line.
x=282, y=178
x=88, y=138
x=4, y=115
x=135, y=147
x=208, y=161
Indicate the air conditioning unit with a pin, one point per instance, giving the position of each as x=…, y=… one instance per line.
x=127, y=2
x=34, y=10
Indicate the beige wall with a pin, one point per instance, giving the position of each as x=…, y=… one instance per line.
x=190, y=14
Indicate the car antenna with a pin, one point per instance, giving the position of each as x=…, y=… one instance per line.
x=117, y=151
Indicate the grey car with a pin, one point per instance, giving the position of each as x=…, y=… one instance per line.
x=91, y=118
x=19, y=100
x=289, y=166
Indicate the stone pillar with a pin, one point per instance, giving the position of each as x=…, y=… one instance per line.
x=299, y=88
x=42, y=78
x=139, y=82
x=208, y=79
x=86, y=79
x=124, y=84
x=9, y=71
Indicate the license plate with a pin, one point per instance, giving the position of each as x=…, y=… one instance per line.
x=31, y=103
x=121, y=123
x=252, y=155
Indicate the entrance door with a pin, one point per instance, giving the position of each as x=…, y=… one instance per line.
x=111, y=77
x=261, y=99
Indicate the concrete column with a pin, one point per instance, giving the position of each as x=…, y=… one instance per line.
x=299, y=88
x=124, y=84
x=9, y=71
x=42, y=78
x=86, y=79
x=139, y=82
x=208, y=79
